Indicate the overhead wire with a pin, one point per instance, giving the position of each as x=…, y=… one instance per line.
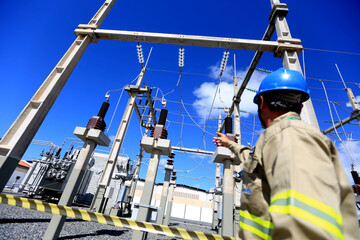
x=337, y=114
x=117, y=104
x=332, y=119
x=222, y=68
x=332, y=51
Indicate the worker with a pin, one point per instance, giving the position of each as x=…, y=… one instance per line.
x=294, y=186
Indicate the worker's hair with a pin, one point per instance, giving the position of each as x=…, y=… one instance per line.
x=284, y=101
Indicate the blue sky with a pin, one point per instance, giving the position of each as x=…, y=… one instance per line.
x=36, y=34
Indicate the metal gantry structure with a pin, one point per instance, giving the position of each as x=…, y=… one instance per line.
x=17, y=139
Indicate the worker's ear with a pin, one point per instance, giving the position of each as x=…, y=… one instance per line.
x=262, y=104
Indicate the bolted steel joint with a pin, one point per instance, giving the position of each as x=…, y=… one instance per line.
x=279, y=9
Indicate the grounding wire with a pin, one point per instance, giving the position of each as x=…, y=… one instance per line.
x=332, y=119
x=249, y=128
x=332, y=51
x=118, y=100
x=200, y=163
x=112, y=117
x=196, y=177
x=342, y=125
x=340, y=75
x=217, y=89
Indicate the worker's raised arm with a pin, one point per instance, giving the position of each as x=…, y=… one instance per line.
x=240, y=150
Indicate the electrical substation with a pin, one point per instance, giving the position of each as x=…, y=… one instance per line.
x=83, y=175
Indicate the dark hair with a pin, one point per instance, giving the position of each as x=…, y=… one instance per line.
x=276, y=102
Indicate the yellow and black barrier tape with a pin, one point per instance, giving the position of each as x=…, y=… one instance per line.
x=127, y=223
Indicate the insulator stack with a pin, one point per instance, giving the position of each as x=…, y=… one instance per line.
x=159, y=132
x=224, y=61
x=163, y=116
x=103, y=109
x=181, y=57
x=96, y=123
x=228, y=125
x=229, y=130
x=140, y=54
x=174, y=176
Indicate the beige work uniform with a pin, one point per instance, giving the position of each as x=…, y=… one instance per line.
x=294, y=186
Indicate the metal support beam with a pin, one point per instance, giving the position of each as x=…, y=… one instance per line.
x=151, y=107
x=99, y=202
x=267, y=36
x=137, y=167
x=17, y=139
x=290, y=58
x=354, y=115
x=191, y=150
x=187, y=40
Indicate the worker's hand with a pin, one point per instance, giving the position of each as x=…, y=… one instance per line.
x=221, y=140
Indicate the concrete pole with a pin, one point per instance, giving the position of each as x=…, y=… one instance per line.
x=290, y=58
x=99, y=202
x=227, y=228
x=237, y=168
x=170, y=199
x=216, y=197
x=18, y=138
x=91, y=137
x=225, y=156
x=157, y=145
x=148, y=189
x=215, y=220
x=168, y=170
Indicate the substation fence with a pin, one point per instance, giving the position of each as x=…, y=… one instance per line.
x=126, y=223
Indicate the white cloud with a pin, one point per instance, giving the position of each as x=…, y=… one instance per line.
x=357, y=100
x=205, y=92
x=112, y=138
x=163, y=162
x=349, y=152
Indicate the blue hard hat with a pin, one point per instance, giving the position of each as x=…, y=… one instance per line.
x=284, y=79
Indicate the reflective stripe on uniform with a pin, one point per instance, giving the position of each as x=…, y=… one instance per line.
x=256, y=225
x=294, y=203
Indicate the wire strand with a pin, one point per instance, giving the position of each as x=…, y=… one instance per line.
x=112, y=118
x=332, y=51
x=332, y=119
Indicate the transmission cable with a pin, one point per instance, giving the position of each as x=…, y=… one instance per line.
x=332, y=119
x=222, y=68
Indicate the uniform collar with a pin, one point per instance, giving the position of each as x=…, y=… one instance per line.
x=287, y=116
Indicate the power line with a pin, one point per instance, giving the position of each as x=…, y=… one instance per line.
x=331, y=51
x=328, y=80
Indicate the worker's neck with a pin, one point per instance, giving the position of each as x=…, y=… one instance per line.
x=270, y=116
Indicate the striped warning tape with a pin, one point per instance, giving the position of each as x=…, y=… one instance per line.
x=127, y=223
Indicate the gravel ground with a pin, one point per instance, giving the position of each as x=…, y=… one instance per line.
x=21, y=223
